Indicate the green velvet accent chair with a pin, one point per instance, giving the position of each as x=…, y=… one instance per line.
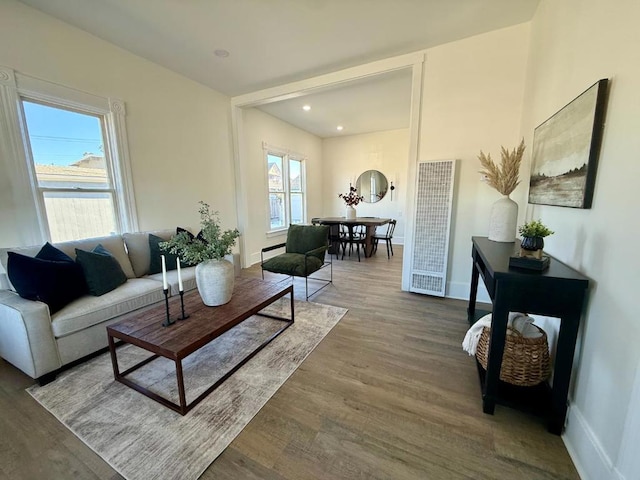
x=304, y=255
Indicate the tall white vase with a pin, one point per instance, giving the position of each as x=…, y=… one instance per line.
x=503, y=220
x=215, y=280
x=351, y=213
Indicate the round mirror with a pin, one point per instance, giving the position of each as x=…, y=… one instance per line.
x=372, y=185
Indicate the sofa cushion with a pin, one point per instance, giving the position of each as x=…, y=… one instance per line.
x=87, y=311
x=55, y=283
x=101, y=270
x=293, y=264
x=155, y=252
x=138, y=249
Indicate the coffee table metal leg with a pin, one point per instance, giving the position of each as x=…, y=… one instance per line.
x=114, y=359
x=181, y=394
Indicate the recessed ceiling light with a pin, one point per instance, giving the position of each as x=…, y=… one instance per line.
x=221, y=53
x=306, y=108
x=339, y=128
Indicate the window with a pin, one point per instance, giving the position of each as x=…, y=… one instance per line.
x=286, y=190
x=71, y=175
x=72, y=159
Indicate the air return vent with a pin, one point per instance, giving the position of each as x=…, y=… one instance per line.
x=434, y=195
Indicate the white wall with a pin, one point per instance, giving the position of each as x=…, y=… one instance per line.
x=259, y=128
x=472, y=100
x=345, y=158
x=574, y=43
x=178, y=130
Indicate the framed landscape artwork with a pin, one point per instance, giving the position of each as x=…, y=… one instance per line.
x=565, y=151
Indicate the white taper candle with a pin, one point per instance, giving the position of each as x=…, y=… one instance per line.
x=180, y=287
x=164, y=274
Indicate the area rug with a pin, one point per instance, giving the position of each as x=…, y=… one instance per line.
x=142, y=439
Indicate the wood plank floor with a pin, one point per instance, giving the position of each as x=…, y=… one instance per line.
x=388, y=394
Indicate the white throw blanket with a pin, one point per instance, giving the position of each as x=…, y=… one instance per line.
x=518, y=321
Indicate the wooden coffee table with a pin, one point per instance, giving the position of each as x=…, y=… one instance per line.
x=144, y=329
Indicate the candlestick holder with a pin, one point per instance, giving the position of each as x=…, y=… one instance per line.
x=168, y=322
x=183, y=317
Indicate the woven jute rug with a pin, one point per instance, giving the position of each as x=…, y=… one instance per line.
x=142, y=439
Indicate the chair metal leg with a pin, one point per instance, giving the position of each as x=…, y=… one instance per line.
x=388, y=243
x=390, y=246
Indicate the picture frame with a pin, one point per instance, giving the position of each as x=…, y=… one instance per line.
x=565, y=151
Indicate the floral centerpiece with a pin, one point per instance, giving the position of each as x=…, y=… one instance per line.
x=533, y=234
x=214, y=274
x=351, y=199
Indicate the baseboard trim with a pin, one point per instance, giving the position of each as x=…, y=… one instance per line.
x=460, y=291
x=586, y=452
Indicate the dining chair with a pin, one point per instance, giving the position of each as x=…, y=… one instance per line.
x=391, y=226
x=353, y=235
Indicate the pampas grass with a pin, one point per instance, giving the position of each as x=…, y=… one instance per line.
x=503, y=178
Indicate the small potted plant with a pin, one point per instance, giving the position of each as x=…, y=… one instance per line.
x=533, y=234
x=351, y=199
x=214, y=274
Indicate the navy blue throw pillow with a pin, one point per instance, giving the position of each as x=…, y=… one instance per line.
x=101, y=270
x=156, y=252
x=51, y=277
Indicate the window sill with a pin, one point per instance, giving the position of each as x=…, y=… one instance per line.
x=277, y=233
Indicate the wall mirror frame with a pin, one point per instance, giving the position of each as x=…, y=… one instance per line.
x=372, y=185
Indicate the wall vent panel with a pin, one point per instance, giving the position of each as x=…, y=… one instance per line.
x=434, y=196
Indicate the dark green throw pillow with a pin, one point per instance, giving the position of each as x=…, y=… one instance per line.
x=156, y=252
x=101, y=270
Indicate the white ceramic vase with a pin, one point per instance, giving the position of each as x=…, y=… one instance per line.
x=503, y=220
x=215, y=280
x=351, y=213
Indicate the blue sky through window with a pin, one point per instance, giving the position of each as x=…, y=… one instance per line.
x=61, y=137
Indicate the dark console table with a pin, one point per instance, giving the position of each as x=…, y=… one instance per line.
x=558, y=291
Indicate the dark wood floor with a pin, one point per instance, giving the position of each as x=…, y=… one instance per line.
x=388, y=394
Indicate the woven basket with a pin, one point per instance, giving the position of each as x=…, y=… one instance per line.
x=525, y=361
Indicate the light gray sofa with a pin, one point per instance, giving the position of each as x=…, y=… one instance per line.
x=40, y=344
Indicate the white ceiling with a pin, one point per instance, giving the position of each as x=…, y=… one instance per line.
x=273, y=42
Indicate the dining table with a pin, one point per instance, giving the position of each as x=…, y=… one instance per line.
x=370, y=224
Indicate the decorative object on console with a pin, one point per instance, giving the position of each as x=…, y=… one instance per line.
x=533, y=234
x=351, y=199
x=530, y=255
x=565, y=151
x=214, y=274
x=525, y=361
x=504, y=178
